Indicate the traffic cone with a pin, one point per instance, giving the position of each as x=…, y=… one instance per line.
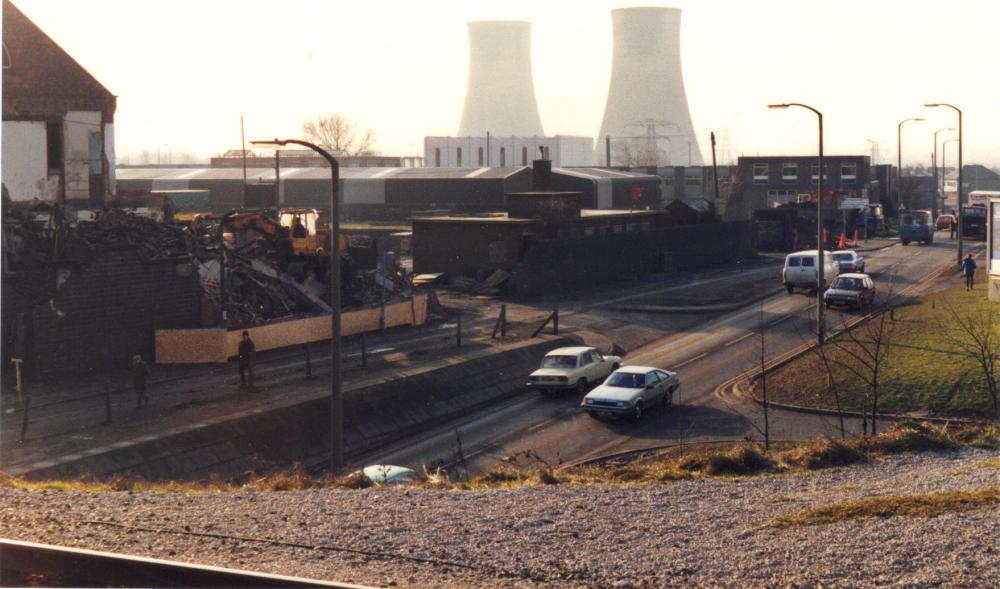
x=826, y=236
x=854, y=242
x=842, y=242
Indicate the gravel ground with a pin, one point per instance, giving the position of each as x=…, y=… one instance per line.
x=688, y=533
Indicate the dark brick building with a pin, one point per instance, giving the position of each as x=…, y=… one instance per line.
x=767, y=182
x=58, y=120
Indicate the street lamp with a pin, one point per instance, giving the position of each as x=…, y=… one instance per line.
x=937, y=188
x=819, y=223
x=899, y=158
x=336, y=394
x=958, y=218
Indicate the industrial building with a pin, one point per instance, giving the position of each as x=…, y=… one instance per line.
x=771, y=181
x=58, y=120
x=307, y=158
x=389, y=194
x=646, y=114
x=456, y=152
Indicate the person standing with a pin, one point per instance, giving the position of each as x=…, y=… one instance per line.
x=247, y=351
x=140, y=372
x=969, y=266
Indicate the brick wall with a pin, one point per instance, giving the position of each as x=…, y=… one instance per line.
x=105, y=312
x=561, y=265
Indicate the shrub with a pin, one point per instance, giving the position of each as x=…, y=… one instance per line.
x=909, y=436
x=825, y=453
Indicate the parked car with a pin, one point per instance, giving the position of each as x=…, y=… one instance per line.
x=630, y=390
x=800, y=270
x=916, y=226
x=944, y=222
x=850, y=290
x=573, y=368
x=849, y=261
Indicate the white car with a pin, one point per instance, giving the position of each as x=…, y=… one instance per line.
x=573, y=368
x=631, y=390
x=849, y=261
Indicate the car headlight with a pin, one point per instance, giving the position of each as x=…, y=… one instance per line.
x=590, y=401
x=620, y=403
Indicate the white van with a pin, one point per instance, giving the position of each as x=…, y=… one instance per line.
x=800, y=269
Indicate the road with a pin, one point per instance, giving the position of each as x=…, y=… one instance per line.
x=549, y=428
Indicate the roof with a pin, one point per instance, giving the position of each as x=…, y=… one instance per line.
x=257, y=173
x=598, y=173
x=570, y=351
x=602, y=213
x=805, y=253
x=845, y=252
x=491, y=218
x=852, y=275
x=639, y=369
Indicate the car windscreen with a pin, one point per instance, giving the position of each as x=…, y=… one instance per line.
x=626, y=380
x=848, y=284
x=559, y=362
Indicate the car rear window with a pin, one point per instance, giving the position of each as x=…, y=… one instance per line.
x=808, y=262
x=559, y=362
x=842, y=257
x=794, y=262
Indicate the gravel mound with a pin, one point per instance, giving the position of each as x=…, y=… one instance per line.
x=681, y=534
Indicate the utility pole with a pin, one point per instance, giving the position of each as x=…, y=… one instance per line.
x=715, y=171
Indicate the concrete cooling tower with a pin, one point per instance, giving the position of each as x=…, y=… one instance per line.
x=646, y=114
x=500, y=98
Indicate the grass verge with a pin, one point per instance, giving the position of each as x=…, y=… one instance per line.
x=741, y=459
x=924, y=372
x=924, y=505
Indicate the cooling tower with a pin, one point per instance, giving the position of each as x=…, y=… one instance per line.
x=646, y=114
x=500, y=98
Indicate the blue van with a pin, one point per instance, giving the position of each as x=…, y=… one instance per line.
x=916, y=226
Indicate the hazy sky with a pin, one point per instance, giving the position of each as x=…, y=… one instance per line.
x=184, y=71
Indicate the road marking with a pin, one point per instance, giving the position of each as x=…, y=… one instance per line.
x=540, y=425
x=686, y=362
x=739, y=339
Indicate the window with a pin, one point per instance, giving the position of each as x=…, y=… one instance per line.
x=437, y=157
x=848, y=173
x=524, y=156
x=789, y=172
x=760, y=173
x=588, y=231
x=503, y=157
x=54, y=142
x=651, y=378
x=458, y=156
x=480, y=156
x=815, y=173
x=617, y=228
x=808, y=262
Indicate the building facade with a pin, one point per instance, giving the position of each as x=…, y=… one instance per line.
x=504, y=152
x=771, y=181
x=58, y=120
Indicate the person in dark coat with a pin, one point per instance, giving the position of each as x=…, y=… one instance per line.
x=247, y=351
x=140, y=372
x=969, y=267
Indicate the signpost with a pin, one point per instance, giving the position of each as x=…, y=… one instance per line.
x=851, y=203
x=993, y=249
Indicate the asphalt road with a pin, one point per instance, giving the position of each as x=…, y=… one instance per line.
x=536, y=427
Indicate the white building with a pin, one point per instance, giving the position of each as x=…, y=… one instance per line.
x=456, y=152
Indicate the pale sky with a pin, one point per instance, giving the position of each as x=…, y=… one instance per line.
x=184, y=71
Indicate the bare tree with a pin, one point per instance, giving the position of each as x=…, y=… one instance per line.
x=633, y=152
x=976, y=333
x=864, y=352
x=832, y=385
x=339, y=135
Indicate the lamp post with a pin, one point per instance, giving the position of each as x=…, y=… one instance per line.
x=958, y=217
x=820, y=280
x=899, y=158
x=937, y=188
x=336, y=394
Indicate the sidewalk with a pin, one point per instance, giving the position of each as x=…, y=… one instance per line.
x=67, y=417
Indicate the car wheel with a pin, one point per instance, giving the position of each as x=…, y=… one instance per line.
x=637, y=412
x=581, y=386
x=593, y=415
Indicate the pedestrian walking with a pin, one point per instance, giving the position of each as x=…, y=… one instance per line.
x=952, y=227
x=969, y=266
x=140, y=372
x=247, y=351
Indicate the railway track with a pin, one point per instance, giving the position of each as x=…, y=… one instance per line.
x=45, y=565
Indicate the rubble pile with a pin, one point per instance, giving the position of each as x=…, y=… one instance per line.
x=155, y=240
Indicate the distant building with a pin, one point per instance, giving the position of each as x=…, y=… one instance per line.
x=307, y=158
x=974, y=177
x=458, y=152
x=768, y=182
x=58, y=120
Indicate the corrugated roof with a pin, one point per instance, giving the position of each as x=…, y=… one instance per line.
x=597, y=173
x=267, y=173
